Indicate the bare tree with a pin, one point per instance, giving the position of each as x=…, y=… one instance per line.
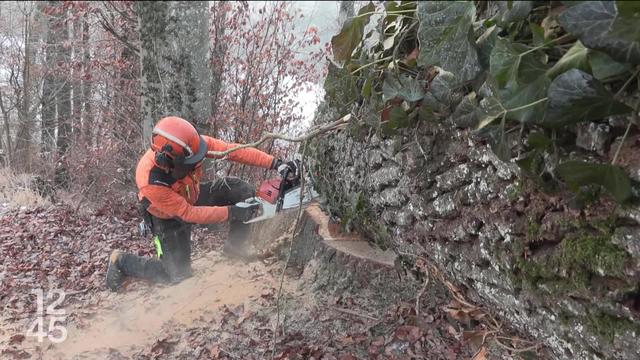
x=51, y=83
x=63, y=105
x=5, y=117
x=76, y=79
x=24, y=142
x=218, y=54
x=87, y=117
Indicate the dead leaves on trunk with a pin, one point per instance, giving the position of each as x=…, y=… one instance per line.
x=464, y=312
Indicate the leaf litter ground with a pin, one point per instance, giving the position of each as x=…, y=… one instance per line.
x=227, y=310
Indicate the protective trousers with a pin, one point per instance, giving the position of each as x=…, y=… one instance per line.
x=172, y=238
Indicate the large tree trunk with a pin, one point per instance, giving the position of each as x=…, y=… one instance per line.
x=152, y=22
x=218, y=54
x=175, y=76
x=189, y=54
x=218, y=59
x=437, y=193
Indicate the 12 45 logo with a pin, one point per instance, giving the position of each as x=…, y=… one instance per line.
x=56, y=332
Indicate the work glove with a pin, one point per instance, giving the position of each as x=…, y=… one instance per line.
x=289, y=166
x=243, y=213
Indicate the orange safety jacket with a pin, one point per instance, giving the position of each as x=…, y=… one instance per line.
x=169, y=198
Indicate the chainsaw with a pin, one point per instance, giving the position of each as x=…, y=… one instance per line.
x=278, y=194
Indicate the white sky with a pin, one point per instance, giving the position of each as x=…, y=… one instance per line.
x=323, y=15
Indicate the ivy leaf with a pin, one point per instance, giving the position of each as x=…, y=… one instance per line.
x=392, y=6
x=446, y=37
x=612, y=178
x=595, y=62
x=485, y=44
x=591, y=21
x=577, y=57
x=626, y=25
x=490, y=109
x=501, y=149
x=524, y=103
x=518, y=11
x=532, y=164
x=404, y=87
x=340, y=87
x=529, y=99
x=538, y=34
x=497, y=139
x=398, y=119
x=464, y=115
x=350, y=36
x=444, y=90
x=603, y=66
x=427, y=114
x=366, y=88
x=510, y=63
x=539, y=141
x=576, y=96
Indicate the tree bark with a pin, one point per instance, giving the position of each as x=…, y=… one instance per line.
x=7, y=132
x=175, y=74
x=152, y=21
x=218, y=55
x=189, y=56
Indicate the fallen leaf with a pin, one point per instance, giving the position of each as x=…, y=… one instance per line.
x=214, y=351
x=379, y=341
x=452, y=331
x=16, y=339
x=474, y=338
x=408, y=333
x=245, y=315
x=464, y=313
x=481, y=354
x=346, y=357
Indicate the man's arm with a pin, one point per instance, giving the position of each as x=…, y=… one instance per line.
x=248, y=156
x=166, y=203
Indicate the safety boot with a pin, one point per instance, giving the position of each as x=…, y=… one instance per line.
x=115, y=277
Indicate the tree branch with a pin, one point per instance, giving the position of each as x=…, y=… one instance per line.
x=312, y=133
x=106, y=25
x=292, y=235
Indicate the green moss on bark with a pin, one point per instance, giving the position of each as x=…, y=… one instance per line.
x=607, y=326
x=533, y=230
x=595, y=254
x=570, y=266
